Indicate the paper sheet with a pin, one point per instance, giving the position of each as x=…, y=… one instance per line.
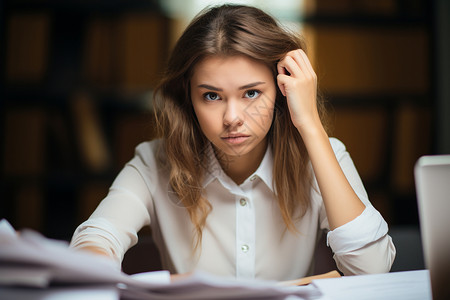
x=207, y=286
x=411, y=285
x=61, y=292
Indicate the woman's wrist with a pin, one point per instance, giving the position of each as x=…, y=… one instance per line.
x=95, y=250
x=312, y=131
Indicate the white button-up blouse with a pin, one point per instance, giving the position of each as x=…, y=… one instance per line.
x=245, y=235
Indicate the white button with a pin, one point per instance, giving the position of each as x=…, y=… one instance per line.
x=253, y=178
x=245, y=248
x=243, y=202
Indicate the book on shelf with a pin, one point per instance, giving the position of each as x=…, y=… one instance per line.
x=27, y=47
x=94, y=150
x=127, y=52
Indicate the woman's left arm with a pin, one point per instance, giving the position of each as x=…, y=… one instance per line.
x=298, y=82
x=355, y=228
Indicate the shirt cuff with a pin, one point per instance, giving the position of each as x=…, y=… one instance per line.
x=364, y=229
x=99, y=232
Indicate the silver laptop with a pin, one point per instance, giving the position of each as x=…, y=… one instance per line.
x=432, y=178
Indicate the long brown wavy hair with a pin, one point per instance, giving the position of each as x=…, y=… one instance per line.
x=229, y=30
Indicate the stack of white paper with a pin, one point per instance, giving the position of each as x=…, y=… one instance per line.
x=49, y=267
x=411, y=285
x=29, y=259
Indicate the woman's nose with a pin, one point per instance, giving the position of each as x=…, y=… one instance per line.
x=233, y=114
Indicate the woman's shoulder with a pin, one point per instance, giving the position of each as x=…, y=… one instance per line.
x=149, y=152
x=151, y=146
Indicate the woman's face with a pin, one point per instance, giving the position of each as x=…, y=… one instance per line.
x=233, y=98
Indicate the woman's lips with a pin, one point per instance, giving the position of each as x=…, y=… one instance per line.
x=235, y=139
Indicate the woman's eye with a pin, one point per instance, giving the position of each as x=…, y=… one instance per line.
x=211, y=96
x=252, y=94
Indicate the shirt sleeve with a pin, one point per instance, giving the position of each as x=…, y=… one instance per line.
x=114, y=224
x=362, y=245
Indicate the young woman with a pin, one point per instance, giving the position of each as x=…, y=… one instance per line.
x=244, y=179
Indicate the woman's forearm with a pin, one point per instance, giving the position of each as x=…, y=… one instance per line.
x=341, y=202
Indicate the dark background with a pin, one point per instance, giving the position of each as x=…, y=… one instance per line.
x=76, y=83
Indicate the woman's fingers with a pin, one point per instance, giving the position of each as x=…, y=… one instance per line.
x=177, y=277
x=298, y=83
x=288, y=69
x=297, y=64
x=281, y=80
x=295, y=70
x=288, y=66
x=307, y=62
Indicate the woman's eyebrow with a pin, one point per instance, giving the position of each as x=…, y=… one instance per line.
x=210, y=87
x=244, y=87
x=250, y=85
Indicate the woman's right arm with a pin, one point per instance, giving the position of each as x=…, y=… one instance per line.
x=112, y=228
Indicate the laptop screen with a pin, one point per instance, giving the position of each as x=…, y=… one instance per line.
x=432, y=179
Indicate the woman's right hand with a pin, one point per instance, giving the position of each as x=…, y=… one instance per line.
x=180, y=276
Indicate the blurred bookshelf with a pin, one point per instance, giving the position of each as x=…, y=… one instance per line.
x=76, y=84
x=375, y=67
x=77, y=80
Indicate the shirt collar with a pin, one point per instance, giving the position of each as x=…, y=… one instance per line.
x=214, y=169
x=265, y=169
